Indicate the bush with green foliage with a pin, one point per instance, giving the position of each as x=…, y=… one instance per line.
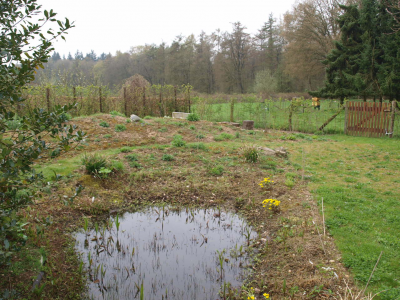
x=117, y=113
x=193, y=117
x=25, y=46
x=178, y=141
x=120, y=127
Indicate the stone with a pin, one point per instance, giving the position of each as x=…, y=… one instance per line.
x=248, y=124
x=281, y=152
x=180, y=115
x=135, y=118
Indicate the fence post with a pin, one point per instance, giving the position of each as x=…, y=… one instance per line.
x=101, y=104
x=232, y=108
x=144, y=101
x=48, y=99
x=392, y=118
x=125, y=102
x=176, y=104
x=189, y=99
x=74, y=93
x=346, y=112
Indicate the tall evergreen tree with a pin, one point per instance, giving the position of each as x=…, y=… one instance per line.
x=343, y=62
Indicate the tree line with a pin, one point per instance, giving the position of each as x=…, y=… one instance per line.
x=300, y=52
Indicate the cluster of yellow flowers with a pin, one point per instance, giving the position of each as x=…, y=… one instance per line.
x=272, y=203
x=265, y=183
x=251, y=295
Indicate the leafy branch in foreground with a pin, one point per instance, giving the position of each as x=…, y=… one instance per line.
x=24, y=139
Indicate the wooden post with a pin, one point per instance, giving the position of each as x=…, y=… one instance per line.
x=48, y=99
x=189, y=99
x=232, y=108
x=125, y=103
x=346, y=112
x=74, y=93
x=176, y=104
x=144, y=101
x=101, y=104
x=392, y=118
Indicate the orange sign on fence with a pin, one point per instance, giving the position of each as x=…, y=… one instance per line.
x=370, y=119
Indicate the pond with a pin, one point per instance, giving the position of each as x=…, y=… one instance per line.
x=165, y=253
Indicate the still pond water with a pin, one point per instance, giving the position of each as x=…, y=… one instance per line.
x=166, y=253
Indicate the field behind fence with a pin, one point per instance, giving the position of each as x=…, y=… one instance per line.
x=155, y=100
x=275, y=114
x=159, y=101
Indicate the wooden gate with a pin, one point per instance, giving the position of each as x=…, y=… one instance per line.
x=369, y=119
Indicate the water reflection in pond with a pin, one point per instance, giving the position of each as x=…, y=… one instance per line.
x=175, y=254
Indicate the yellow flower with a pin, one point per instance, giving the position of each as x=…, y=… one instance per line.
x=266, y=295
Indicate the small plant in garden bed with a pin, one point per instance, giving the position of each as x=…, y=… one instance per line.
x=271, y=204
x=120, y=127
x=178, y=141
x=168, y=157
x=104, y=124
x=266, y=183
x=250, y=153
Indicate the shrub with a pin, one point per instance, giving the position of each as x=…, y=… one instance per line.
x=250, y=153
x=193, y=117
x=104, y=124
x=117, y=113
x=120, y=127
x=178, y=141
x=93, y=163
x=167, y=157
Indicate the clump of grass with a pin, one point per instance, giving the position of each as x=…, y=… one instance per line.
x=192, y=127
x=250, y=153
x=120, y=127
x=193, y=117
x=199, y=146
x=132, y=157
x=163, y=129
x=148, y=118
x=104, y=124
x=117, y=165
x=237, y=134
x=289, y=183
x=200, y=136
x=93, y=163
x=217, y=170
x=167, y=157
x=135, y=164
x=125, y=149
x=117, y=113
x=223, y=136
x=178, y=141
x=107, y=136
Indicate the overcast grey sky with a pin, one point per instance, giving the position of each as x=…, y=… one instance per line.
x=111, y=25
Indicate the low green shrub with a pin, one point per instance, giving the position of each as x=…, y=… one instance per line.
x=104, y=124
x=120, y=127
x=193, y=117
x=178, y=141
